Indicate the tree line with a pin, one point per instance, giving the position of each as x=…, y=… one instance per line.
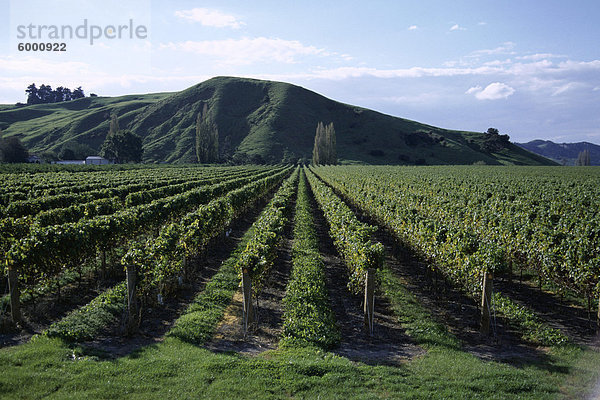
x=45, y=94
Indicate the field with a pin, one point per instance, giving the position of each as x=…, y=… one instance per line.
x=300, y=282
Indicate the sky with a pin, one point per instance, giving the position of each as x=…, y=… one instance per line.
x=528, y=68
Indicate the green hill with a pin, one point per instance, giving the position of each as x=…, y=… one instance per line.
x=258, y=121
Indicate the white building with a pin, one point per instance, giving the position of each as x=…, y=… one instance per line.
x=96, y=160
x=71, y=162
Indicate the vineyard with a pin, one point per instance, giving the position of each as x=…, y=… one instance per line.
x=331, y=281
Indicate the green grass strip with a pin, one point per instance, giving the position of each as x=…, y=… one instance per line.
x=413, y=316
x=199, y=321
x=531, y=327
x=87, y=322
x=308, y=319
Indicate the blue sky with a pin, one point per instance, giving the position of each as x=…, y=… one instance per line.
x=529, y=68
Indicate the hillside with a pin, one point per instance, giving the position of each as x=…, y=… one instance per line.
x=563, y=153
x=258, y=121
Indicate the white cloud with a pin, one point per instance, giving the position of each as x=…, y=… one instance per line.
x=414, y=72
x=423, y=98
x=498, y=62
x=457, y=27
x=504, y=48
x=209, y=17
x=482, y=23
x=413, y=28
x=539, y=56
x=248, y=50
x=493, y=91
x=474, y=89
x=563, y=88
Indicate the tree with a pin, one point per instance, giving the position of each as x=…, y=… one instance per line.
x=207, y=137
x=66, y=154
x=13, y=151
x=67, y=95
x=45, y=94
x=77, y=93
x=583, y=159
x=59, y=94
x=75, y=151
x=32, y=94
x=121, y=146
x=318, y=156
x=331, y=144
x=324, y=149
x=113, y=126
x=492, y=131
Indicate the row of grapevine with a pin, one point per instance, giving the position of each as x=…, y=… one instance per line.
x=542, y=222
x=157, y=263
x=161, y=258
x=352, y=238
x=469, y=223
x=131, y=193
x=154, y=264
x=21, y=186
x=307, y=316
x=28, y=186
x=17, y=228
x=260, y=252
x=46, y=251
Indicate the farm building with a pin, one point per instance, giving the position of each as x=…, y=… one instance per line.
x=96, y=160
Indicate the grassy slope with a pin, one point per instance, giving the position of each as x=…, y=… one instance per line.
x=49, y=126
x=257, y=118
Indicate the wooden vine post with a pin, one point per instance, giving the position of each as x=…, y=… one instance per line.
x=247, y=299
x=13, y=287
x=132, y=309
x=369, y=308
x=486, y=302
x=598, y=316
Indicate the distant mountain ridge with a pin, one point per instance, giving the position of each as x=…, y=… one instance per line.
x=258, y=121
x=563, y=153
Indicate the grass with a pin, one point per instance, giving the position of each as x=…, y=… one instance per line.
x=259, y=121
x=88, y=321
x=198, y=322
x=308, y=318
